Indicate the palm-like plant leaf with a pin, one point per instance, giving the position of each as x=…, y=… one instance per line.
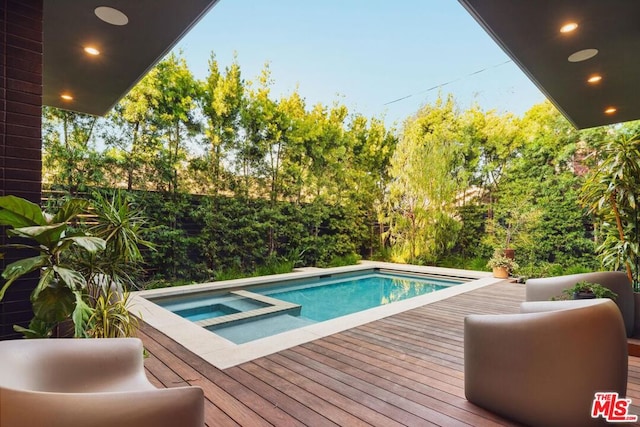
x=61, y=292
x=17, y=212
x=111, y=318
x=88, y=243
x=24, y=266
x=19, y=268
x=54, y=304
x=46, y=235
x=119, y=223
x=71, y=209
x=46, y=279
x=21, y=246
x=609, y=194
x=81, y=315
x=73, y=279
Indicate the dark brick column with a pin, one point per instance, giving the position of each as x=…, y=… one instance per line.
x=20, y=131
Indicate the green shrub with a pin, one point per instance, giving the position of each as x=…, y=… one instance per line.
x=382, y=254
x=477, y=263
x=274, y=267
x=230, y=274
x=158, y=283
x=339, y=261
x=576, y=269
x=454, y=261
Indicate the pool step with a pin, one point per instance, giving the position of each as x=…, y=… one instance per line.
x=274, y=306
x=240, y=333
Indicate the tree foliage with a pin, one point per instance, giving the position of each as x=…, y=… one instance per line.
x=70, y=157
x=610, y=195
x=425, y=183
x=278, y=179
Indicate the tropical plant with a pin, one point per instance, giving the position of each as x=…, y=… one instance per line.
x=111, y=317
x=610, y=195
x=120, y=223
x=114, y=271
x=61, y=290
x=84, y=275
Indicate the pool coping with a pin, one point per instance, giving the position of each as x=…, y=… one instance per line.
x=273, y=306
x=223, y=353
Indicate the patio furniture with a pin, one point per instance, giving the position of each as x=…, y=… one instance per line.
x=542, y=367
x=88, y=382
x=545, y=288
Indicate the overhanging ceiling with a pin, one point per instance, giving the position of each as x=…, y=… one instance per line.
x=529, y=32
x=127, y=52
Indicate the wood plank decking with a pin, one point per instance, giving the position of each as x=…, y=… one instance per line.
x=406, y=369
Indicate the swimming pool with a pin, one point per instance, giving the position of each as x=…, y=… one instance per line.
x=243, y=316
x=209, y=343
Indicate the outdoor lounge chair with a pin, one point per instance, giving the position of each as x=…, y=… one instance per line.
x=88, y=382
x=546, y=288
x=543, y=367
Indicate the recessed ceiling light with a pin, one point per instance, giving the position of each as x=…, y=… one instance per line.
x=595, y=78
x=582, y=55
x=568, y=27
x=92, y=50
x=111, y=16
x=66, y=97
x=610, y=110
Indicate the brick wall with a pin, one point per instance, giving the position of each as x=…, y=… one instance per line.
x=20, y=131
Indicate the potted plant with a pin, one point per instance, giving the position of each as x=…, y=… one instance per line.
x=501, y=265
x=588, y=290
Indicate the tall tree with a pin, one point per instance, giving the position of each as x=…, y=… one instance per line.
x=70, y=157
x=222, y=99
x=491, y=142
x=373, y=148
x=174, y=115
x=132, y=135
x=423, y=188
x=296, y=125
x=252, y=149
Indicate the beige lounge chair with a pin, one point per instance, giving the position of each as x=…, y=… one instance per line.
x=545, y=288
x=88, y=382
x=544, y=366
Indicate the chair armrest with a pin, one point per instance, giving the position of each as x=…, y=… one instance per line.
x=183, y=406
x=73, y=365
x=543, y=289
x=545, y=306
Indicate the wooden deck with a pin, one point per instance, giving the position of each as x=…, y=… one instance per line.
x=406, y=370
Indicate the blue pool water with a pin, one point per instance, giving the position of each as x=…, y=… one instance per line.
x=319, y=299
x=334, y=298
x=206, y=312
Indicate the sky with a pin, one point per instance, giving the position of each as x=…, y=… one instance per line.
x=364, y=54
